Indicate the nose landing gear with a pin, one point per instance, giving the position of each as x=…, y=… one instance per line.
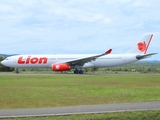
x=17, y=71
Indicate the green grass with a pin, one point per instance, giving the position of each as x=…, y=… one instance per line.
x=141, y=115
x=22, y=91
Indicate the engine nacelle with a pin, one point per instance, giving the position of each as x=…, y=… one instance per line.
x=60, y=67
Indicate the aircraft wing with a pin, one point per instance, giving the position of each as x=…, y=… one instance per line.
x=139, y=57
x=82, y=61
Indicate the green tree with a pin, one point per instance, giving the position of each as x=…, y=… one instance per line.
x=93, y=69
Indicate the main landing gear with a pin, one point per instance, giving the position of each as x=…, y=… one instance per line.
x=78, y=71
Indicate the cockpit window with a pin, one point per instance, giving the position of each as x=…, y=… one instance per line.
x=7, y=59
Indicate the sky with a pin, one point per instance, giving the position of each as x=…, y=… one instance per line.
x=77, y=26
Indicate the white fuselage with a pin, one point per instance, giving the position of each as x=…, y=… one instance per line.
x=46, y=61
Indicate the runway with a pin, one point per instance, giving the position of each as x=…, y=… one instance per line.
x=71, y=110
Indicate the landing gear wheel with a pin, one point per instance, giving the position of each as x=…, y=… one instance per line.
x=76, y=72
x=81, y=72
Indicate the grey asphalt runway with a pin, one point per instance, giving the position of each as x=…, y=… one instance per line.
x=71, y=110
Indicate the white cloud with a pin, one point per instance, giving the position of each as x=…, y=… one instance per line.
x=76, y=26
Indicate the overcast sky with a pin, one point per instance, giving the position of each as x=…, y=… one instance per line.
x=77, y=26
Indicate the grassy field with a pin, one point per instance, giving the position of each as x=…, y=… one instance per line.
x=141, y=115
x=36, y=91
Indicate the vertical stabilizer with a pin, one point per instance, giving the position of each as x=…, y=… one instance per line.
x=142, y=46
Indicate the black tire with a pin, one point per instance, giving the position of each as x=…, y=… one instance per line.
x=76, y=72
x=81, y=72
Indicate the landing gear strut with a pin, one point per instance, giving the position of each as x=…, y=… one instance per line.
x=17, y=71
x=78, y=71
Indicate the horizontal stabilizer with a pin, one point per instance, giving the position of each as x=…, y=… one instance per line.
x=139, y=57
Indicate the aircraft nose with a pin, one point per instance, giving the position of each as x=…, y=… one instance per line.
x=2, y=62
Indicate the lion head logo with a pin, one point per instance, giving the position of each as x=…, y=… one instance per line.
x=57, y=66
x=142, y=46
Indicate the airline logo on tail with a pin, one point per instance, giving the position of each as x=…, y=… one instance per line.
x=142, y=46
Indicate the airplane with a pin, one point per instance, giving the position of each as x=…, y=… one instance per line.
x=65, y=62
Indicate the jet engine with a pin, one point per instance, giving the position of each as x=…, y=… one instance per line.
x=60, y=67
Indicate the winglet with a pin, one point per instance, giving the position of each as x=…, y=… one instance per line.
x=109, y=51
